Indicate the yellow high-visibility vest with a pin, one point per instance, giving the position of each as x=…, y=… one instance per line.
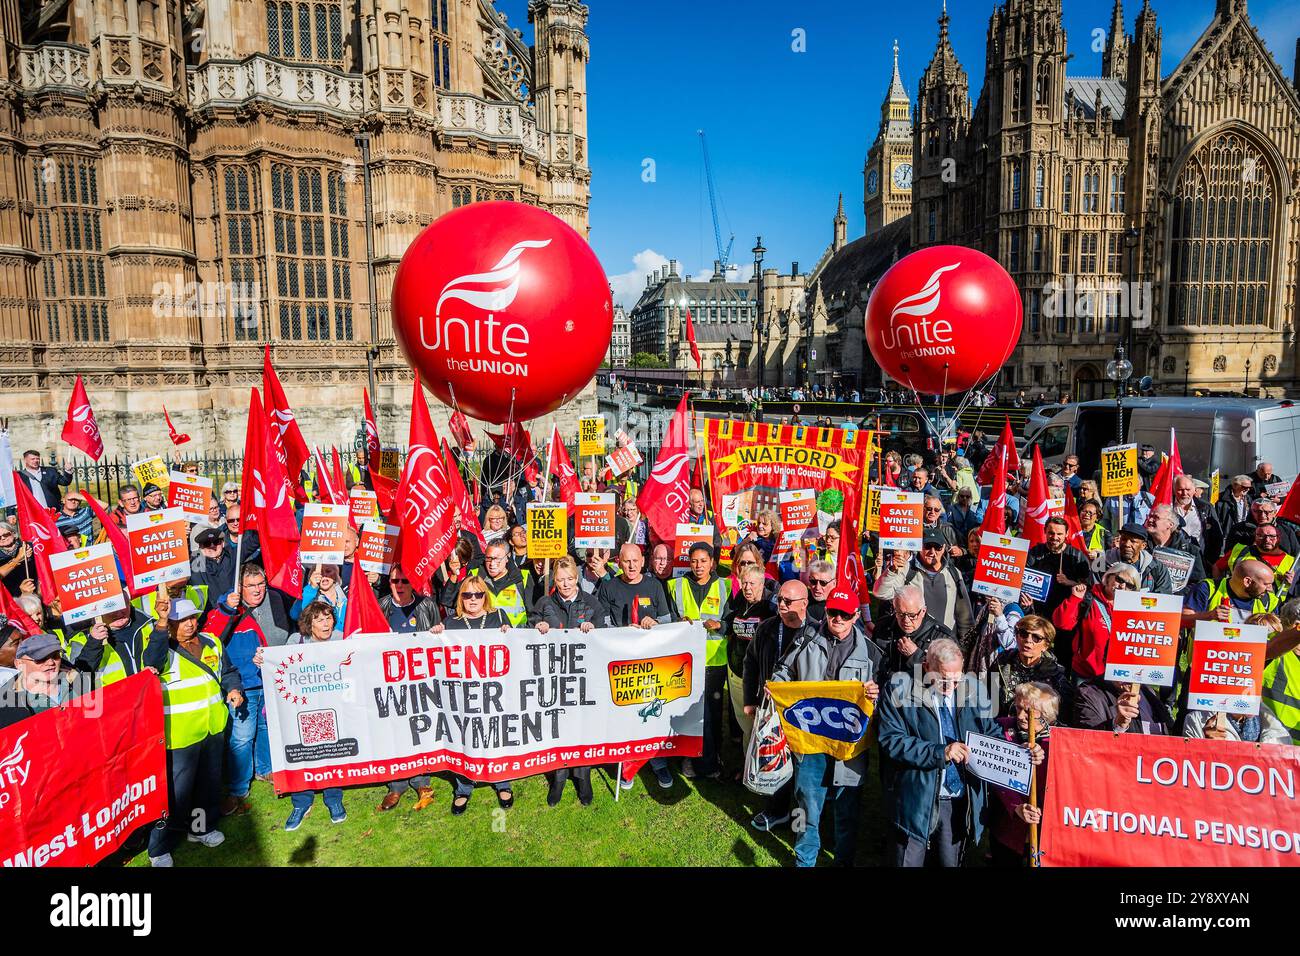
x=510, y=600
x=1281, y=685
x=710, y=609
x=193, y=705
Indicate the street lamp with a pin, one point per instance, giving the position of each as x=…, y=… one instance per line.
x=1131, y=239
x=759, y=251
x=1119, y=370
x=1187, y=374
x=1245, y=388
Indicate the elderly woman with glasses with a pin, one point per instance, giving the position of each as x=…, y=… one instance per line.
x=1011, y=814
x=1031, y=660
x=767, y=529
x=229, y=495
x=1087, y=615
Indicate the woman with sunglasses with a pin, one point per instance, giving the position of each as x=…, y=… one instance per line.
x=474, y=612
x=1083, y=621
x=1030, y=661
x=748, y=554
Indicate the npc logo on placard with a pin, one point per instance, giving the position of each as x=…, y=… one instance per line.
x=826, y=717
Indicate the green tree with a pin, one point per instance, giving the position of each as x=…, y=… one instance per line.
x=648, y=360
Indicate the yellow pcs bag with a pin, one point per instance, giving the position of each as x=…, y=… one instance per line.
x=823, y=717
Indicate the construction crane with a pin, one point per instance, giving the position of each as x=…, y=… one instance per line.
x=724, y=255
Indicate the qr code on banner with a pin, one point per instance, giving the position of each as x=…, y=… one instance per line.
x=318, y=727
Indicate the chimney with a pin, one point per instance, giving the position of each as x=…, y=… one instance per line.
x=794, y=269
x=717, y=267
x=672, y=267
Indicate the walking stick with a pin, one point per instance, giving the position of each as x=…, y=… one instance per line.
x=1033, y=788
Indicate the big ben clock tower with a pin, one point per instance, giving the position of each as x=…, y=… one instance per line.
x=887, y=176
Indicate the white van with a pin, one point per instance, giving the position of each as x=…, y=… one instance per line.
x=1231, y=434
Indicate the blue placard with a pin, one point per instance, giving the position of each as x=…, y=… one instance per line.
x=1036, y=584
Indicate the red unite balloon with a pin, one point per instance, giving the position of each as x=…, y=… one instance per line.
x=497, y=298
x=943, y=319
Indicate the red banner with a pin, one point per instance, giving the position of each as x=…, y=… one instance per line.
x=1137, y=800
x=75, y=781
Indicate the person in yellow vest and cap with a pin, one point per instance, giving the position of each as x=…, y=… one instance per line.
x=149, y=603
x=509, y=584
x=198, y=680
x=702, y=596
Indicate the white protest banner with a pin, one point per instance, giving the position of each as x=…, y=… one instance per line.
x=593, y=520
x=87, y=582
x=191, y=493
x=323, y=529
x=8, y=497
x=1227, y=672
x=1000, y=566
x=489, y=707
x=1003, y=763
x=160, y=547
x=378, y=545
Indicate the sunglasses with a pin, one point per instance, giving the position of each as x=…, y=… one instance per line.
x=839, y=616
x=1031, y=637
x=819, y=583
x=473, y=595
x=789, y=600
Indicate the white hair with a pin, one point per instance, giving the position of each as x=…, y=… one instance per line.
x=943, y=651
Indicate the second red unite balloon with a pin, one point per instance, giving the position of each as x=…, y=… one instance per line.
x=501, y=302
x=944, y=319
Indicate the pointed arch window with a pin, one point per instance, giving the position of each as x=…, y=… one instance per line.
x=1040, y=186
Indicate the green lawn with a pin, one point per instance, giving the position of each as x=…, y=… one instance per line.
x=696, y=823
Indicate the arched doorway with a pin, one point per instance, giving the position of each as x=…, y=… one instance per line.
x=1088, y=384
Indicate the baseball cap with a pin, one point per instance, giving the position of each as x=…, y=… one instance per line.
x=842, y=600
x=181, y=609
x=149, y=489
x=934, y=536
x=208, y=536
x=1136, y=531
x=39, y=646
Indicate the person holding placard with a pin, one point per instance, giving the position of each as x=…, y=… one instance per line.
x=1121, y=707
x=1083, y=621
x=120, y=646
x=324, y=586
x=945, y=592
x=703, y=596
x=1249, y=590
x=1030, y=661
x=595, y=567
x=1133, y=547
x=1013, y=813
x=1180, y=555
x=1065, y=566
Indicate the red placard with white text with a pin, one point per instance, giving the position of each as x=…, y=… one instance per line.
x=1000, y=568
x=798, y=508
x=1227, y=672
x=160, y=547
x=1143, y=647
x=902, y=517
x=687, y=536
x=191, y=493
x=378, y=545
x=323, y=529
x=363, y=505
x=87, y=582
x=593, y=520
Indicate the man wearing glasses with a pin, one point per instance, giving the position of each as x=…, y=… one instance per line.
x=945, y=592
x=44, y=680
x=821, y=579
x=252, y=549
x=128, y=503
x=837, y=651
x=1262, y=512
x=904, y=635
x=1070, y=472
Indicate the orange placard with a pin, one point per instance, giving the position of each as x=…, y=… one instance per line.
x=798, y=509
x=687, y=536
x=363, y=505
x=87, y=582
x=323, y=529
x=593, y=520
x=1001, y=566
x=1143, y=647
x=377, y=547
x=902, y=517
x=650, y=680
x=191, y=493
x=160, y=547
x=1227, y=667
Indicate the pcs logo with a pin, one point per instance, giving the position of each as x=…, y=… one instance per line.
x=827, y=717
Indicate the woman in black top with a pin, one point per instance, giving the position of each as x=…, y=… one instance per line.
x=474, y=612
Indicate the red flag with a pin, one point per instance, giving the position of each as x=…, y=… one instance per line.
x=1290, y=510
x=363, y=613
x=326, y=491
x=340, y=483
x=460, y=496
x=560, y=466
x=384, y=488
x=121, y=547
x=373, y=447
x=1033, y=526
x=1006, y=441
x=42, y=536
x=80, y=430
x=995, y=515
x=665, y=498
x=176, y=437
x=516, y=443
x=288, y=437
x=850, y=582
x=459, y=426
x=1162, y=483
x=690, y=338
x=1074, y=538
x=19, y=618
x=267, y=499
x=424, y=502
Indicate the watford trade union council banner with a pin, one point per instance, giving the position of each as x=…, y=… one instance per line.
x=750, y=464
x=489, y=706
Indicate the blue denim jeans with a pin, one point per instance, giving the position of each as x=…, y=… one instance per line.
x=333, y=797
x=249, y=744
x=812, y=791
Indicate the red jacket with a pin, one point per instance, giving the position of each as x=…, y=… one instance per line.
x=1089, y=658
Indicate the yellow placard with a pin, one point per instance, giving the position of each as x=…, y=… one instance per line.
x=873, y=509
x=823, y=717
x=653, y=681
x=1119, y=471
x=548, y=532
x=591, y=436
x=151, y=471
x=1214, y=487
x=388, y=463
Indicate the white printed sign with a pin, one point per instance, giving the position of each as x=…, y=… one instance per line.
x=1003, y=763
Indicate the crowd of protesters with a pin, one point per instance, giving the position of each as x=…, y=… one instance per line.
x=927, y=648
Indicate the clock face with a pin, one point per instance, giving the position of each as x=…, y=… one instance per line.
x=873, y=182
x=903, y=176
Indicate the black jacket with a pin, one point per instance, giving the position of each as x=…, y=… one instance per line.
x=886, y=636
x=740, y=624
x=50, y=482
x=1071, y=562
x=557, y=612
x=772, y=641
x=218, y=576
x=1046, y=670
x=492, y=621
x=1210, y=544
x=136, y=651
x=1244, y=533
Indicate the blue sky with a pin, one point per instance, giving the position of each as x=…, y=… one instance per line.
x=788, y=131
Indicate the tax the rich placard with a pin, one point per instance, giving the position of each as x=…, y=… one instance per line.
x=363, y=506
x=902, y=517
x=160, y=547
x=547, y=530
x=150, y=471
x=191, y=493
x=1227, y=671
x=591, y=436
x=688, y=535
x=1000, y=568
x=378, y=545
x=1119, y=471
x=323, y=529
x=87, y=582
x=873, y=508
x=1143, y=647
x=798, y=509
x=593, y=520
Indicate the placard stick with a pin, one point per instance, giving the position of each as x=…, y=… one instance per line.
x=1033, y=787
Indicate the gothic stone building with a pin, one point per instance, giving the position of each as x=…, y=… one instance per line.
x=1185, y=183
x=182, y=181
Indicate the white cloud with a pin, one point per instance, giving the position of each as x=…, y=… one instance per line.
x=628, y=285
